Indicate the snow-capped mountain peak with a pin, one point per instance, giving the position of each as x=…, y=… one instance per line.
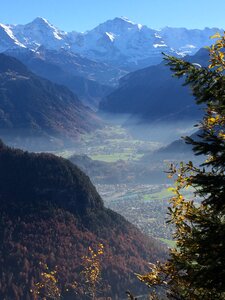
x=8, y=39
x=44, y=24
x=40, y=20
x=116, y=26
x=39, y=32
x=126, y=19
x=119, y=41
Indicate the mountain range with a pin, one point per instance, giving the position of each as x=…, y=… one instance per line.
x=90, y=64
x=118, y=42
x=88, y=68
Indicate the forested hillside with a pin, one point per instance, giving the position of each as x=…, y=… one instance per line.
x=50, y=214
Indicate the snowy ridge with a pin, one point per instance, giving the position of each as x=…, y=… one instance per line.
x=40, y=32
x=119, y=42
x=111, y=36
x=11, y=35
x=7, y=38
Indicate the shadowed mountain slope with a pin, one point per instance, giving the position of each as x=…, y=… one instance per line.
x=153, y=95
x=86, y=78
x=50, y=214
x=35, y=107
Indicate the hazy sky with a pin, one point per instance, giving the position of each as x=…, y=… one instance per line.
x=86, y=14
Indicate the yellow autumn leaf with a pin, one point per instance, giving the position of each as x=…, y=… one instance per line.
x=211, y=120
x=222, y=135
x=215, y=36
x=171, y=189
x=221, y=55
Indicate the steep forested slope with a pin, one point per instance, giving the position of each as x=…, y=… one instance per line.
x=50, y=214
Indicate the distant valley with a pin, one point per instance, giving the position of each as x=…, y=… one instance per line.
x=108, y=114
x=116, y=67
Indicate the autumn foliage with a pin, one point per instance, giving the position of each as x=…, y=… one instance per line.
x=51, y=213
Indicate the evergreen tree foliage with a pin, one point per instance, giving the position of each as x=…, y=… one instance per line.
x=196, y=267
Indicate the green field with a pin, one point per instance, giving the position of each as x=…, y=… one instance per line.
x=110, y=144
x=164, y=194
x=65, y=153
x=170, y=243
x=116, y=156
x=167, y=194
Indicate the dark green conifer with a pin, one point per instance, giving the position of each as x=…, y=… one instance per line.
x=196, y=267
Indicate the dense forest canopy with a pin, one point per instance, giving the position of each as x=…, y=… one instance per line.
x=50, y=214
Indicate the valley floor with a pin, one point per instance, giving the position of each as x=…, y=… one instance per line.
x=144, y=205
x=141, y=200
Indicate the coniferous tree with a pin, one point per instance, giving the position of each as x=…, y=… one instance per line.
x=196, y=267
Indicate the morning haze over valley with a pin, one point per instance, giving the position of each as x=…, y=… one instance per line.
x=99, y=183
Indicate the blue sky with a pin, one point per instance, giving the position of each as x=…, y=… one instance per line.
x=86, y=14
